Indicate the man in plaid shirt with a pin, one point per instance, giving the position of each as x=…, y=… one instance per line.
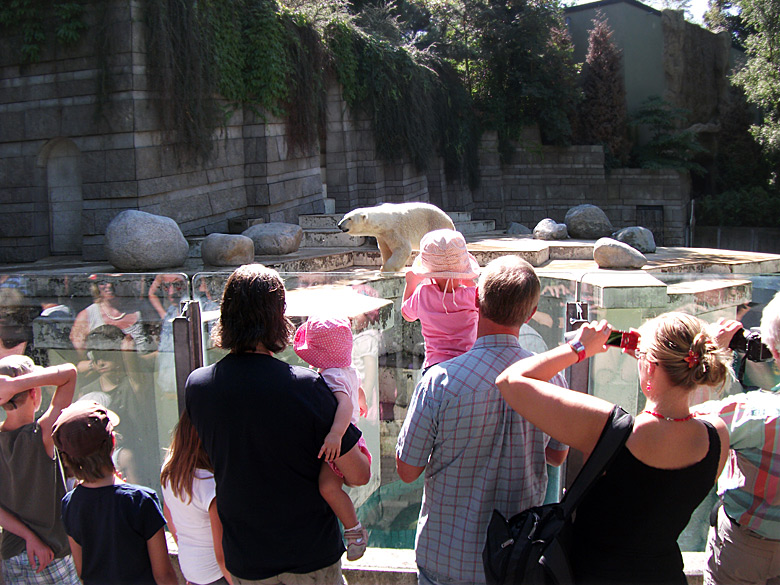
x=477, y=453
x=744, y=544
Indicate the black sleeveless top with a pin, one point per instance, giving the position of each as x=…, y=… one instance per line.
x=626, y=528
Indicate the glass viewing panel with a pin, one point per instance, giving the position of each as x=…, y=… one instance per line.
x=117, y=329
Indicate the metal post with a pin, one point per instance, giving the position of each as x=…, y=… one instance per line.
x=187, y=345
x=579, y=375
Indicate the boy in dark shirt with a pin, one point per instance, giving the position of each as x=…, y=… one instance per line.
x=115, y=529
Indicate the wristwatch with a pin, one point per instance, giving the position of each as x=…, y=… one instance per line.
x=577, y=346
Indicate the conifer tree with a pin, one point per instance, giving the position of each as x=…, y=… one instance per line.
x=603, y=112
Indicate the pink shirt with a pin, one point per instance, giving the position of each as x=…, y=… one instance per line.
x=448, y=320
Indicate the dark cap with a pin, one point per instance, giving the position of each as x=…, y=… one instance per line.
x=83, y=427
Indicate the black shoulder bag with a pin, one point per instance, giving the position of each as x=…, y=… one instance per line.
x=532, y=547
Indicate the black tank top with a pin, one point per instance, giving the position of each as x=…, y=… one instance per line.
x=626, y=529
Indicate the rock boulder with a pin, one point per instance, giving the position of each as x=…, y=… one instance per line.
x=138, y=241
x=637, y=237
x=588, y=222
x=609, y=253
x=518, y=229
x=548, y=229
x=275, y=238
x=227, y=250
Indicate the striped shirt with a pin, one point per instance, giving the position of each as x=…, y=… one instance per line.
x=750, y=483
x=478, y=455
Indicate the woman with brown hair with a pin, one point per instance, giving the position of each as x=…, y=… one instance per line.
x=626, y=528
x=190, y=507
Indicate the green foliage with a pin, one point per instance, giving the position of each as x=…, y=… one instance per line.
x=35, y=19
x=760, y=77
x=602, y=113
x=725, y=15
x=668, y=148
x=747, y=207
x=524, y=74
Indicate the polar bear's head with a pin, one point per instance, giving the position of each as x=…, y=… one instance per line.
x=354, y=222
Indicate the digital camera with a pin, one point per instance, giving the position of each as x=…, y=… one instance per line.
x=749, y=342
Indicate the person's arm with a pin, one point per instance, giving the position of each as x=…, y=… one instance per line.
x=75, y=553
x=331, y=448
x=555, y=457
x=216, y=535
x=169, y=522
x=39, y=553
x=161, y=563
x=362, y=402
x=355, y=467
x=408, y=308
x=411, y=282
x=64, y=378
x=571, y=417
x=407, y=473
x=154, y=300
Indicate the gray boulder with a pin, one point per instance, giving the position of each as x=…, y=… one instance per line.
x=588, y=222
x=637, y=237
x=609, y=253
x=518, y=229
x=227, y=250
x=275, y=238
x=548, y=229
x=138, y=241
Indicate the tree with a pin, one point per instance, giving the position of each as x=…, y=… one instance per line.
x=760, y=77
x=603, y=113
x=725, y=15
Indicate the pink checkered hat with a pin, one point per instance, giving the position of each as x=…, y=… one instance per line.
x=324, y=342
x=443, y=254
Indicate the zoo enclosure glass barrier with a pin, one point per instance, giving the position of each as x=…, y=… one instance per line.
x=118, y=330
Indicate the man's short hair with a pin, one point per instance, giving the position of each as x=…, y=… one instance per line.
x=508, y=291
x=770, y=323
x=252, y=311
x=13, y=366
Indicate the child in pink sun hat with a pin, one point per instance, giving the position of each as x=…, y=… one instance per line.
x=326, y=344
x=446, y=305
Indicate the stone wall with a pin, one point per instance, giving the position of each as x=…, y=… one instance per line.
x=69, y=164
x=546, y=181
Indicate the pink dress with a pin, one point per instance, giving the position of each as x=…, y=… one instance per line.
x=448, y=320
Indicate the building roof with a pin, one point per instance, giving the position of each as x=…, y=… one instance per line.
x=600, y=3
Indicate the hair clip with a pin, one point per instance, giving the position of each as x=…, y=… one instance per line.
x=692, y=359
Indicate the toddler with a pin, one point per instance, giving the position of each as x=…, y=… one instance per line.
x=447, y=306
x=326, y=344
x=115, y=529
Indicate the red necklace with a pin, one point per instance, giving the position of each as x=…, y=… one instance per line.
x=669, y=418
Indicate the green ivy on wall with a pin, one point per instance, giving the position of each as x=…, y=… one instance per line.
x=28, y=18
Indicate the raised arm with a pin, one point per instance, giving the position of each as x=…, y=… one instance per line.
x=571, y=417
x=63, y=377
x=154, y=300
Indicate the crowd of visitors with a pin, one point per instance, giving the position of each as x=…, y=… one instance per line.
x=253, y=480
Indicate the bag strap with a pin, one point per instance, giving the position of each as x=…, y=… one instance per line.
x=614, y=435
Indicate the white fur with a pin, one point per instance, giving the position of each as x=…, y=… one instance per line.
x=397, y=227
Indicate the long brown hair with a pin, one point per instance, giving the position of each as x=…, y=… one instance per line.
x=185, y=455
x=252, y=311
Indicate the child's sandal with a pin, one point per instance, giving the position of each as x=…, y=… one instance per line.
x=357, y=541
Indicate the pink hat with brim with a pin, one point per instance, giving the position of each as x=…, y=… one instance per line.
x=324, y=343
x=443, y=254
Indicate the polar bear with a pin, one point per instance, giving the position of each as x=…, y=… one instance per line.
x=397, y=227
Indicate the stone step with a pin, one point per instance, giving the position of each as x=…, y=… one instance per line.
x=476, y=226
x=320, y=220
x=330, y=238
x=459, y=216
x=331, y=220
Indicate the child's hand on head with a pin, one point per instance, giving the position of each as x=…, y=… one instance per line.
x=331, y=448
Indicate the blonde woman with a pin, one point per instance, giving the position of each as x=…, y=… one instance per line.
x=626, y=528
